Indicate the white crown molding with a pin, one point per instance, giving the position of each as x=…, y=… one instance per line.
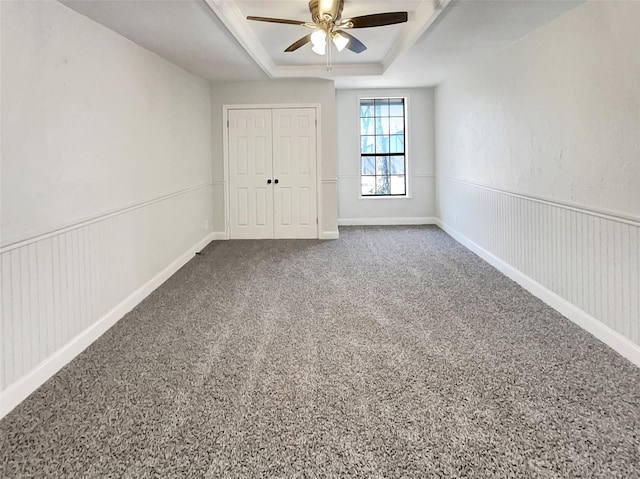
x=425, y=15
x=320, y=71
x=231, y=16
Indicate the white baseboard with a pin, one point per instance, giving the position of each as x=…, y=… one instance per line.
x=329, y=235
x=22, y=388
x=325, y=235
x=604, y=333
x=417, y=220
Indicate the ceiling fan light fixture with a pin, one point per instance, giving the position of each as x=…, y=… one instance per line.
x=319, y=42
x=319, y=37
x=319, y=49
x=327, y=24
x=340, y=41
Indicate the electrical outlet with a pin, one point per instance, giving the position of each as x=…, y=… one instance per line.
x=206, y=224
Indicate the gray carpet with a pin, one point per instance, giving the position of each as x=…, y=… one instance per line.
x=391, y=352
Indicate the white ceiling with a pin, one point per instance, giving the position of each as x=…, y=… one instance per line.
x=274, y=38
x=213, y=39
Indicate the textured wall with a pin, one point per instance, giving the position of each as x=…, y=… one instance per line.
x=93, y=123
x=106, y=184
x=557, y=115
x=420, y=160
x=538, y=163
x=279, y=92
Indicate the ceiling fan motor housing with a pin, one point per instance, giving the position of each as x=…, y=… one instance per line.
x=321, y=9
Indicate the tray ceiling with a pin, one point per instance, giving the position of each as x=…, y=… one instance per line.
x=213, y=38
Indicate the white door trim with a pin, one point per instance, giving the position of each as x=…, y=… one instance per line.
x=225, y=153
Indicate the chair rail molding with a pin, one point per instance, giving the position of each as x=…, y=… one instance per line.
x=63, y=289
x=583, y=262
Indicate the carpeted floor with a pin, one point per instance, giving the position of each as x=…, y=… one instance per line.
x=391, y=352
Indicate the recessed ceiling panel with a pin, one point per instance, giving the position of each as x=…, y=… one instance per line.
x=213, y=38
x=275, y=38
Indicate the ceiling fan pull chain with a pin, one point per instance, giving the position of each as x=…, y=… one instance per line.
x=330, y=48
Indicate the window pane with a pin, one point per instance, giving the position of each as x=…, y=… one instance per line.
x=396, y=125
x=368, y=165
x=367, y=144
x=366, y=108
x=382, y=144
x=368, y=185
x=382, y=107
x=366, y=126
x=382, y=126
x=382, y=165
x=397, y=165
x=383, y=186
x=396, y=107
x=396, y=144
x=397, y=185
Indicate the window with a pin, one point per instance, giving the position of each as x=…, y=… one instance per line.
x=382, y=150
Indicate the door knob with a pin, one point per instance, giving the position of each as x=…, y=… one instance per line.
x=268, y=182
x=276, y=181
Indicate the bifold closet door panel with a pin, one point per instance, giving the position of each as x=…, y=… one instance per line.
x=294, y=166
x=250, y=169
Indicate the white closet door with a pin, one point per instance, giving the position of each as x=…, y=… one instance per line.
x=250, y=167
x=294, y=167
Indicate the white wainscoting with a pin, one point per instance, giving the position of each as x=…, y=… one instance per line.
x=62, y=290
x=584, y=263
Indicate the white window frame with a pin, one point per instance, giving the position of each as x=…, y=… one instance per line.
x=407, y=165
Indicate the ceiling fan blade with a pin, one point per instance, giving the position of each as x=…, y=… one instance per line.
x=354, y=44
x=375, y=20
x=277, y=20
x=303, y=41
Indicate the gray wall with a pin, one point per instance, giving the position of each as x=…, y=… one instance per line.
x=538, y=164
x=106, y=184
x=279, y=92
x=419, y=206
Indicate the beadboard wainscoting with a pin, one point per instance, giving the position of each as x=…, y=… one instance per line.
x=63, y=289
x=584, y=263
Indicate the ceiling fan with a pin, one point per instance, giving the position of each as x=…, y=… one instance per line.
x=328, y=23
